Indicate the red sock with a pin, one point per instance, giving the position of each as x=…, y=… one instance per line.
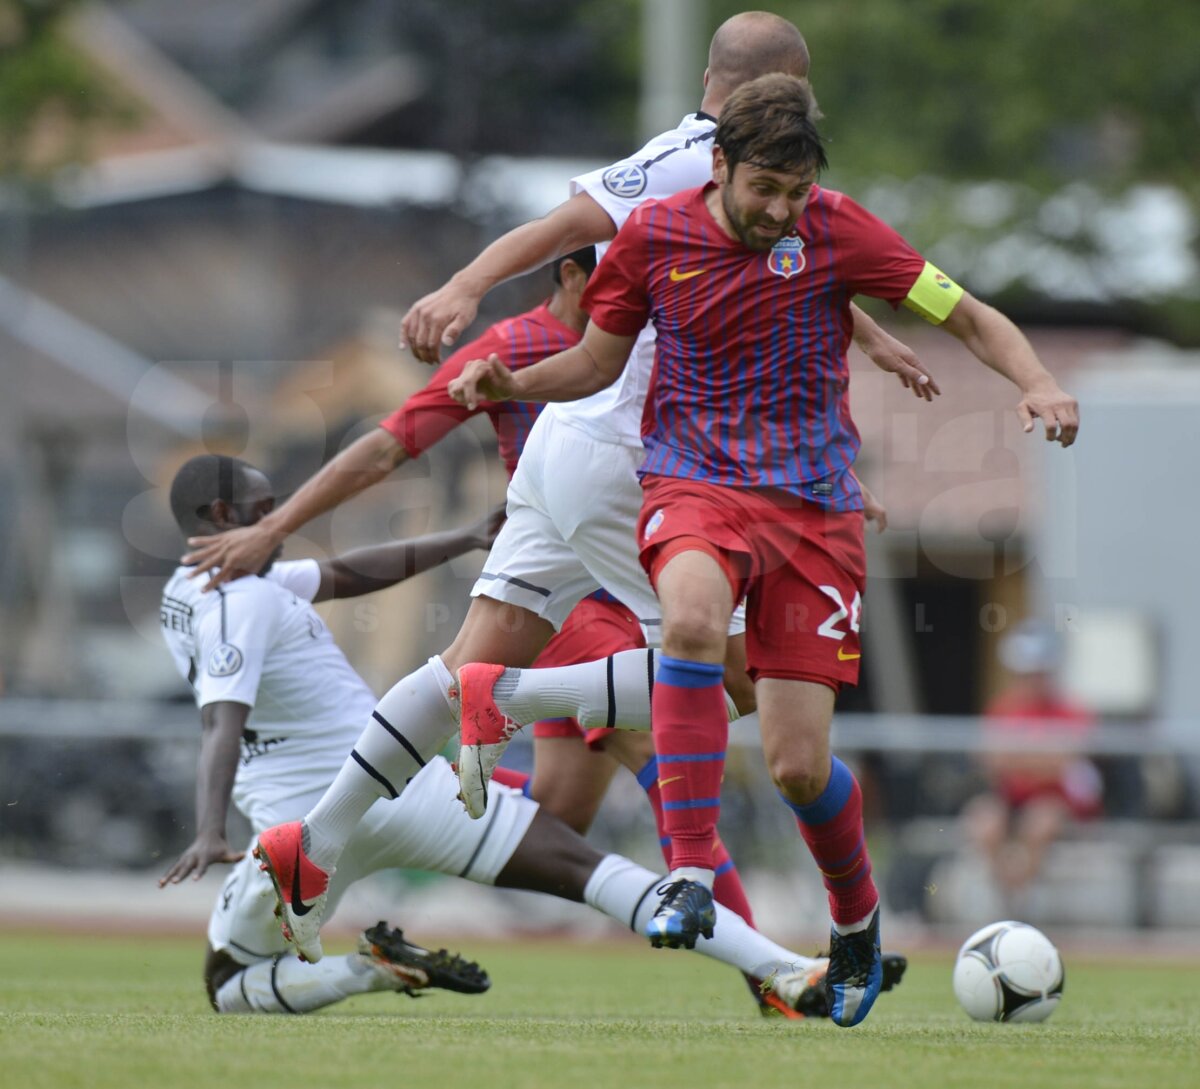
x=691, y=727
x=518, y=780
x=728, y=889
x=832, y=827
x=727, y=883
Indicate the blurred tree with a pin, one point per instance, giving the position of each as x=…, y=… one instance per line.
x=1048, y=154
x=50, y=96
x=1105, y=89
x=523, y=76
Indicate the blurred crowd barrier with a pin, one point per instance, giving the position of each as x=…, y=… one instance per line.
x=110, y=785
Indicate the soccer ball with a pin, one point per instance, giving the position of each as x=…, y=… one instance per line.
x=1008, y=972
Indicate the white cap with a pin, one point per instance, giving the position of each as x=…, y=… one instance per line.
x=1031, y=647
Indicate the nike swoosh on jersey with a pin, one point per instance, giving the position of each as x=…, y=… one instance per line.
x=298, y=905
x=844, y=657
x=666, y=782
x=678, y=277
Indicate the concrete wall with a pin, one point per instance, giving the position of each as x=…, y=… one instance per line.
x=1121, y=526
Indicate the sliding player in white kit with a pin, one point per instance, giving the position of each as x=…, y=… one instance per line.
x=573, y=501
x=281, y=705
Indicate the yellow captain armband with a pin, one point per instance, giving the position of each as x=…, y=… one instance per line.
x=934, y=295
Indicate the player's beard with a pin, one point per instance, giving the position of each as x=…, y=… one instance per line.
x=744, y=224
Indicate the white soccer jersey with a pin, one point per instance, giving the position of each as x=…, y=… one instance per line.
x=675, y=160
x=258, y=641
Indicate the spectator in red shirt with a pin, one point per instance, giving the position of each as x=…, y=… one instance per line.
x=1033, y=794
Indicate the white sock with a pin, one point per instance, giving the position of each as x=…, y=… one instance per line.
x=626, y=892
x=860, y=924
x=613, y=691
x=409, y=726
x=748, y=721
x=289, y=985
x=693, y=873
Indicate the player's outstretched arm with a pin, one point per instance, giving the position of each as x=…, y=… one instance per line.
x=440, y=317
x=997, y=342
x=590, y=366
x=376, y=568
x=892, y=355
x=220, y=747
x=245, y=551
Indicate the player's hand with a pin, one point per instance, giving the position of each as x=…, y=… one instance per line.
x=896, y=357
x=236, y=552
x=204, y=851
x=1057, y=410
x=483, y=380
x=437, y=320
x=873, y=510
x=486, y=529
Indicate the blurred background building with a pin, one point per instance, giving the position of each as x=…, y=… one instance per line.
x=213, y=215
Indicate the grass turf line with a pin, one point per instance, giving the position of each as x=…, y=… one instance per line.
x=107, y=1012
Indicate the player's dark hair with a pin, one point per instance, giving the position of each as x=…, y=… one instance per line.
x=584, y=258
x=199, y=481
x=769, y=122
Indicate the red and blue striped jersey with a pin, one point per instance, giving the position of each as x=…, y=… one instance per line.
x=750, y=377
x=431, y=414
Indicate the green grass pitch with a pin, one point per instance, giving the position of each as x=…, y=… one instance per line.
x=117, y=1012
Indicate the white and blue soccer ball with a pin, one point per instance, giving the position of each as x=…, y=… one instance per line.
x=1008, y=971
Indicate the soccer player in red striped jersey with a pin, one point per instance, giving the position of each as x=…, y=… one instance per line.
x=747, y=480
x=430, y=414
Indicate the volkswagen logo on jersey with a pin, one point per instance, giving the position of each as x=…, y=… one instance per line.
x=787, y=257
x=225, y=661
x=625, y=181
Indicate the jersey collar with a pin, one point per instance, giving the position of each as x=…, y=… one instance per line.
x=543, y=316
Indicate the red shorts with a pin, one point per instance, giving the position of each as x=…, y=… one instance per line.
x=593, y=630
x=802, y=570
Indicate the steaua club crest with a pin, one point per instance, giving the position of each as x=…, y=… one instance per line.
x=787, y=257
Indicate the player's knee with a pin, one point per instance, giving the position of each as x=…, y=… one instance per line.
x=551, y=859
x=219, y=969
x=694, y=635
x=799, y=777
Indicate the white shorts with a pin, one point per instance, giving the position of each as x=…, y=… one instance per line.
x=425, y=828
x=573, y=506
